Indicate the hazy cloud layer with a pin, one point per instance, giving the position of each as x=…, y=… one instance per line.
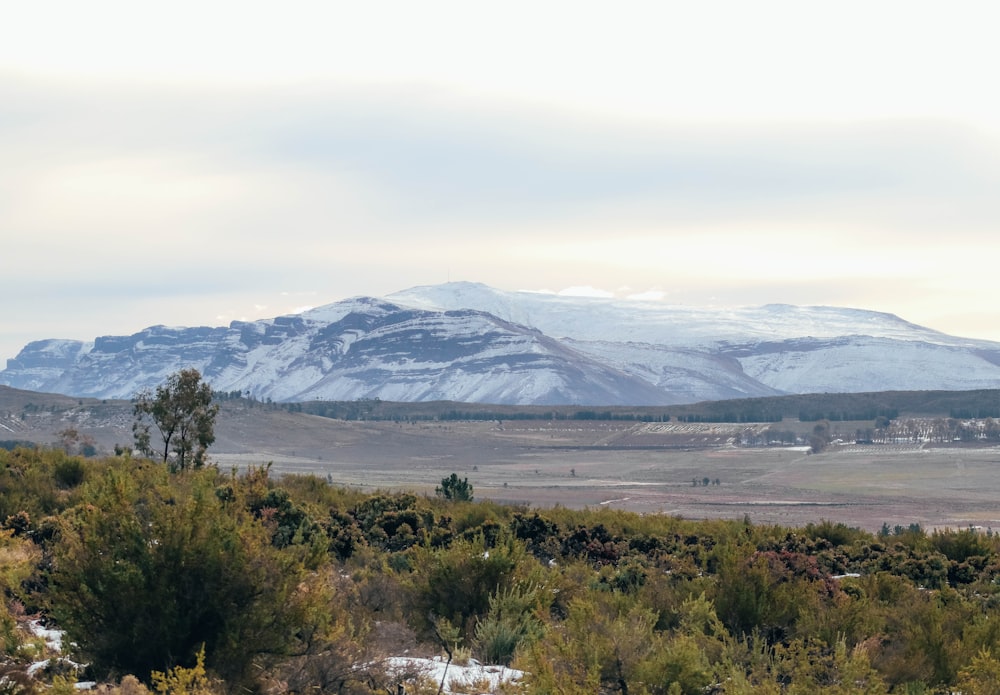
x=141, y=199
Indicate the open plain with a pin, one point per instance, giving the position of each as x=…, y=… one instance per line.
x=656, y=468
x=659, y=468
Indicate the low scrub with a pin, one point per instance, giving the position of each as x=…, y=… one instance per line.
x=202, y=581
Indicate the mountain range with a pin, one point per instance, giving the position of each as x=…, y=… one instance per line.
x=473, y=343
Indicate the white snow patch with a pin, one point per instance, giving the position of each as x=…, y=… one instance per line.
x=54, y=641
x=53, y=638
x=458, y=678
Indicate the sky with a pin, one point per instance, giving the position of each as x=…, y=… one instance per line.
x=192, y=163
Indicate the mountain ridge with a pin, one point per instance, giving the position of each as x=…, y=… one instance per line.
x=473, y=343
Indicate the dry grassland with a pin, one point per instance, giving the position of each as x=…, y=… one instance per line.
x=648, y=468
x=644, y=467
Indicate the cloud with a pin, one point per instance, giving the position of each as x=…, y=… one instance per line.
x=335, y=159
x=176, y=204
x=423, y=155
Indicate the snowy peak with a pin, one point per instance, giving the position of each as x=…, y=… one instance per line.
x=359, y=348
x=596, y=318
x=470, y=342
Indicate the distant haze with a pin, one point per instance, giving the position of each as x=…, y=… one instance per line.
x=192, y=163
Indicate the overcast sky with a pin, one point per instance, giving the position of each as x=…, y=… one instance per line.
x=202, y=162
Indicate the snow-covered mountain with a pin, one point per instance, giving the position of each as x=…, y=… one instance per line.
x=470, y=342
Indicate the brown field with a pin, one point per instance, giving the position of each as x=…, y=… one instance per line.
x=642, y=467
x=647, y=468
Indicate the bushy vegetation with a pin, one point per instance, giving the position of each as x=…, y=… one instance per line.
x=208, y=581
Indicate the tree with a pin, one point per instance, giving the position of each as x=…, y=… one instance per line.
x=72, y=442
x=182, y=411
x=452, y=488
x=820, y=437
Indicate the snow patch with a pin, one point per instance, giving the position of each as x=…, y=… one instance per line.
x=53, y=638
x=457, y=678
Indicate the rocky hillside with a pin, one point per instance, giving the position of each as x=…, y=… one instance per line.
x=472, y=343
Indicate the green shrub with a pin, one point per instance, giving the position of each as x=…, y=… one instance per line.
x=145, y=571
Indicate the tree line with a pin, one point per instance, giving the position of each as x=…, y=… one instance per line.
x=834, y=407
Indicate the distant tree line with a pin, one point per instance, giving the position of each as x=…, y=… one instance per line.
x=933, y=430
x=839, y=407
x=832, y=407
x=731, y=417
x=606, y=415
x=980, y=412
x=772, y=436
x=847, y=416
x=370, y=410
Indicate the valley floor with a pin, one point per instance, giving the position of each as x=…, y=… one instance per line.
x=657, y=468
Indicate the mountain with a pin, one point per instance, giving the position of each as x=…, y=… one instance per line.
x=780, y=347
x=469, y=342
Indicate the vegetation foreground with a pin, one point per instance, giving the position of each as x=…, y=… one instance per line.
x=199, y=580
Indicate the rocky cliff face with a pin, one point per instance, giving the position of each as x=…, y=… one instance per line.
x=468, y=342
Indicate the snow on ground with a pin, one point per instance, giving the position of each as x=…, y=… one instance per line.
x=472, y=677
x=54, y=641
x=53, y=638
x=459, y=679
